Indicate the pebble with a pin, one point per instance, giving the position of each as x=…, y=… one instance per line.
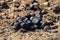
x=46, y=4
x=56, y=9
x=4, y=5
x=11, y=23
x=17, y=4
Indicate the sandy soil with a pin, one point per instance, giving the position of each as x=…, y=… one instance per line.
x=7, y=31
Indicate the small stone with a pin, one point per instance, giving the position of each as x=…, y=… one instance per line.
x=33, y=1
x=5, y=5
x=46, y=28
x=44, y=12
x=46, y=4
x=56, y=9
x=11, y=23
x=17, y=4
x=35, y=4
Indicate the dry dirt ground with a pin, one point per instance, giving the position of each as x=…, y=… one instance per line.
x=7, y=32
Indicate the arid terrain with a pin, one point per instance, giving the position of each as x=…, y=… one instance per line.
x=13, y=8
